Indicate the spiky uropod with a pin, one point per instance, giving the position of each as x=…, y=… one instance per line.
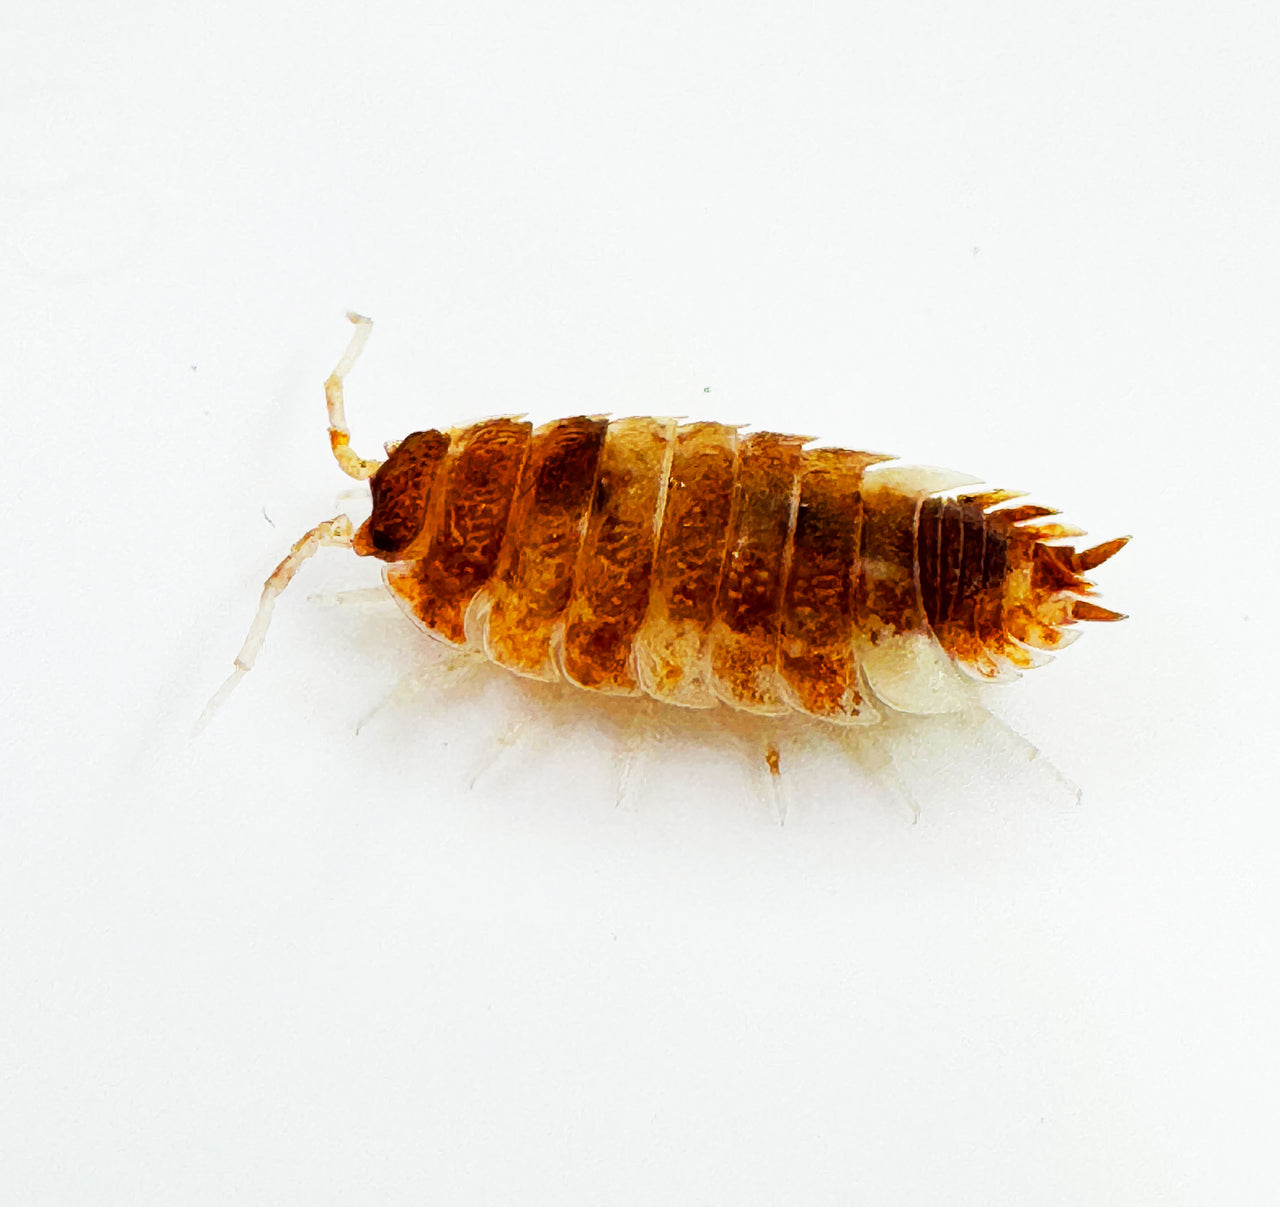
x=698, y=565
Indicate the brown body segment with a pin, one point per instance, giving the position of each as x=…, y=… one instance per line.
x=816, y=656
x=989, y=611
x=614, y=568
x=965, y=531
x=965, y=611
x=950, y=553
x=929, y=558
x=480, y=474
x=533, y=579
x=955, y=549
x=402, y=490
x=672, y=642
x=993, y=591
x=745, y=631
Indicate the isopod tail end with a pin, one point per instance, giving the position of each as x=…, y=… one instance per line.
x=1061, y=568
x=1083, y=609
x=1087, y=559
x=1046, y=590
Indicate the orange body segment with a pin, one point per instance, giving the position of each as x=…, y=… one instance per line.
x=672, y=645
x=533, y=580
x=748, y=616
x=403, y=488
x=816, y=656
x=481, y=472
x=615, y=564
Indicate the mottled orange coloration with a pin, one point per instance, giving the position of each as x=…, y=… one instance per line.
x=674, y=637
x=885, y=596
x=615, y=563
x=402, y=490
x=745, y=628
x=698, y=566
x=533, y=580
x=816, y=656
x=481, y=472
x=993, y=590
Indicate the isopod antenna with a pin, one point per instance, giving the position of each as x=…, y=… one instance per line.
x=337, y=531
x=339, y=434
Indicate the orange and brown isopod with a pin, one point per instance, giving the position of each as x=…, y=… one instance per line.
x=700, y=566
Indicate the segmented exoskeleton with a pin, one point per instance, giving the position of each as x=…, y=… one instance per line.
x=701, y=565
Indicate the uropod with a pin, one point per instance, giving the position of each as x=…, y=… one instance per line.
x=702, y=566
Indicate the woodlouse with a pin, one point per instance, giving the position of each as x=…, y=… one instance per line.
x=700, y=566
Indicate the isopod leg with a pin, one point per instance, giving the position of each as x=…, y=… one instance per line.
x=773, y=760
x=339, y=433
x=454, y=670
x=357, y=597
x=640, y=732
x=337, y=531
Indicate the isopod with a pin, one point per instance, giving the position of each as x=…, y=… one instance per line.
x=700, y=566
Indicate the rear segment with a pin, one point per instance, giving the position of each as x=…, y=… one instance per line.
x=903, y=664
x=994, y=587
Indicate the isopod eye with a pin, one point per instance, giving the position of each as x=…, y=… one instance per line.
x=401, y=492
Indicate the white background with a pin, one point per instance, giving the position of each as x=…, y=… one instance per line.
x=292, y=964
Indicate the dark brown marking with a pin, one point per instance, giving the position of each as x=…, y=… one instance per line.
x=989, y=609
x=951, y=538
x=929, y=558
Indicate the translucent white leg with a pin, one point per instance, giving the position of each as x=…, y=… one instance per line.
x=636, y=734
x=498, y=749
x=876, y=754
x=357, y=597
x=1033, y=754
x=449, y=674
x=337, y=531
